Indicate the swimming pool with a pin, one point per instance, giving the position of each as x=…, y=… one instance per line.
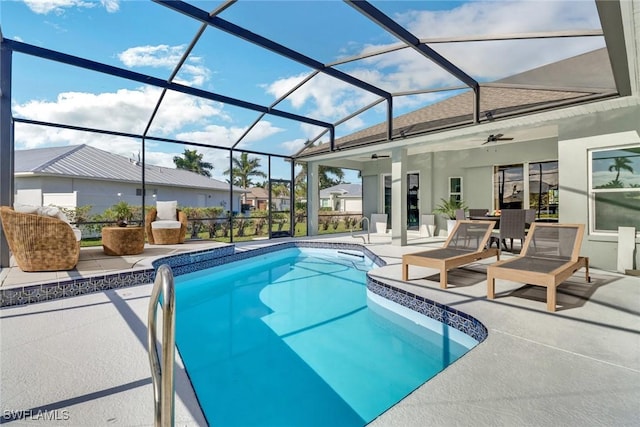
x=293, y=338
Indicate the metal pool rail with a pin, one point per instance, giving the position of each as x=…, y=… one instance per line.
x=162, y=375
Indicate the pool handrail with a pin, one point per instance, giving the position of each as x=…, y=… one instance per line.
x=162, y=375
x=368, y=229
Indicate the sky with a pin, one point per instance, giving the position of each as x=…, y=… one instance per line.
x=149, y=38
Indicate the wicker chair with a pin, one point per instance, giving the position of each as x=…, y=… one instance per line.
x=165, y=236
x=38, y=242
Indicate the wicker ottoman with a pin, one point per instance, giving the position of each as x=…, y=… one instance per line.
x=123, y=240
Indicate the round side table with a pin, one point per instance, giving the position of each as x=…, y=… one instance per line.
x=123, y=240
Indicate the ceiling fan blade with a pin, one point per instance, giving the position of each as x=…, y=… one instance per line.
x=496, y=137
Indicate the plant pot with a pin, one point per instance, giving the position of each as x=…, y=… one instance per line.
x=450, y=224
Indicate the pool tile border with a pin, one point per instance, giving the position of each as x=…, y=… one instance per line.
x=67, y=288
x=194, y=261
x=440, y=312
x=189, y=262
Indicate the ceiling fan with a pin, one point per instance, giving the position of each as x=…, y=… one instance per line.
x=495, y=138
x=379, y=156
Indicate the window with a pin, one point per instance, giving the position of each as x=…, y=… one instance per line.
x=455, y=188
x=615, y=189
x=508, y=187
x=386, y=184
x=139, y=192
x=543, y=189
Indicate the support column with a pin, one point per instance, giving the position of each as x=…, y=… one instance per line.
x=399, y=197
x=313, y=198
x=6, y=143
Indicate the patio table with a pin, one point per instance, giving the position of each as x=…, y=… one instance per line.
x=123, y=240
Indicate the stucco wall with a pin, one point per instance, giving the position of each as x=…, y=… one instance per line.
x=104, y=194
x=600, y=130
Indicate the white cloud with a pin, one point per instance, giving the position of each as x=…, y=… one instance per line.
x=329, y=99
x=111, y=5
x=490, y=60
x=293, y=146
x=227, y=136
x=58, y=7
x=192, y=71
x=125, y=111
x=323, y=97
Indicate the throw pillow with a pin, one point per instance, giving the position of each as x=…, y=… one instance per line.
x=166, y=211
x=22, y=208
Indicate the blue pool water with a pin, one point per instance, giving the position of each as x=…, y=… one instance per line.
x=292, y=339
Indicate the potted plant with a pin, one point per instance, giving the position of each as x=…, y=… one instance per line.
x=123, y=212
x=448, y=208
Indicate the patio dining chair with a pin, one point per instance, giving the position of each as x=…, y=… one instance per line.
x=466, y=243
x=549, y=257
x=512, y=226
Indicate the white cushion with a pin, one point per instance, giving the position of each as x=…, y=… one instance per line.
x=22, y=208
x=166, y=224
x=77, y=232
x=166, y=210
x=51, y=211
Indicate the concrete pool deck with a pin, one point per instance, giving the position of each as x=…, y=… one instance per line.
x=82, y=360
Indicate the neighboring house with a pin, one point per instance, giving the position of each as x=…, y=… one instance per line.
x=81, y=175
x=342, y=198
x=257, y=198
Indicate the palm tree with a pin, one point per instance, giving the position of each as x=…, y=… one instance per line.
x=192, y=161
x=620, y=163
x=243, y=170
x=324, y=175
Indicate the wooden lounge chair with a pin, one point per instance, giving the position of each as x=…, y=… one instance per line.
x=467, y=243
x=549, y=257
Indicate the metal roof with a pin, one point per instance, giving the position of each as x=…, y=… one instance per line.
x=84, y=161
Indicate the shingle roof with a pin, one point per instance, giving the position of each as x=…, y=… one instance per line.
x=89, y=162
x=258, y=193
x=564, y=82
x=346, y=190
